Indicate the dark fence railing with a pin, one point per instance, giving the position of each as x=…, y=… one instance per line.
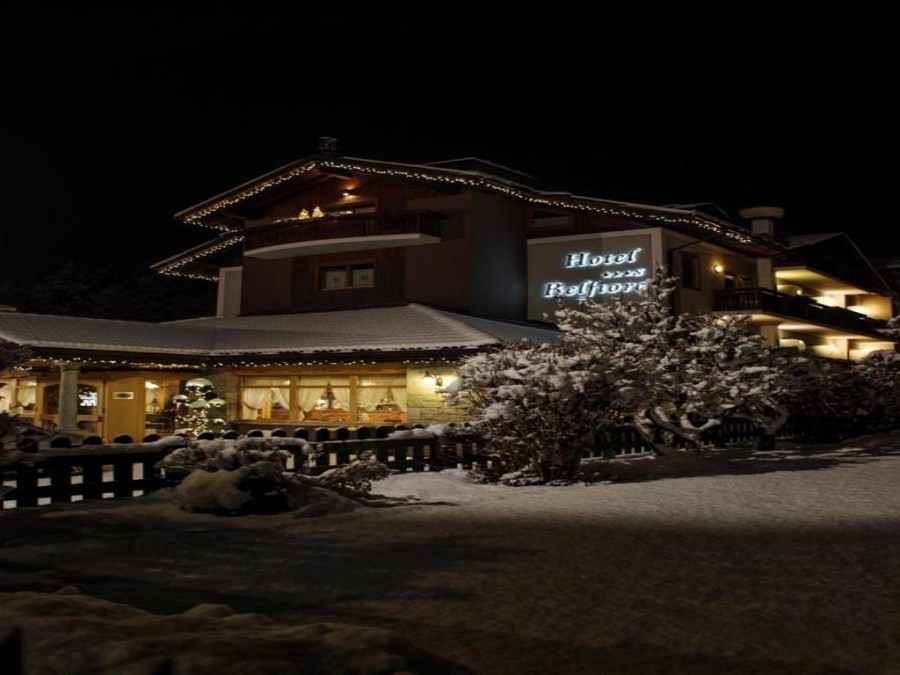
x=794, y=306
x=369, y=225
x=63, y=476
x=108, y=472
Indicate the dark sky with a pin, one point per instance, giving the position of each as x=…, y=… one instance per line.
x=112, y=122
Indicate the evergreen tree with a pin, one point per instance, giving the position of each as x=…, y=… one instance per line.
x=199, y=409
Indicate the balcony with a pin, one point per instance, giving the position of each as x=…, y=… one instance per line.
x=797, y=308
x=334, y=234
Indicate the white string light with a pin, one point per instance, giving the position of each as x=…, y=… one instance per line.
x=482, y=182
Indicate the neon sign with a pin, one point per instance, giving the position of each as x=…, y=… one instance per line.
x=616, y=266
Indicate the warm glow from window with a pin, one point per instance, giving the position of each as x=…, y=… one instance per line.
x=792, y=342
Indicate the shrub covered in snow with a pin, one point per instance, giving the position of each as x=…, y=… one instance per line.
x=231, y=454
x=537, y=406
x=355, y=479
x=248, y=476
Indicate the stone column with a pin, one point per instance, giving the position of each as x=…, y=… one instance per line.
x=68, y=397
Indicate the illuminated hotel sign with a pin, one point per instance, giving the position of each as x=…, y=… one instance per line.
x=617, y=273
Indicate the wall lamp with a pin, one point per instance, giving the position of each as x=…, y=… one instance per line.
x=718, y=269
x=438, y=380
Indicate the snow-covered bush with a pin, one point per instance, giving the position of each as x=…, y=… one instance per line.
x=877, y=391
x=260, y=487
x=355, y=479
x=229, y=455
x=248, y=476
x=538, y=406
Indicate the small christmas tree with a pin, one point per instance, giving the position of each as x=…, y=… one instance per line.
x=199, y=409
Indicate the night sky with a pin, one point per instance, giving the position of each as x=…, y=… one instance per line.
x=111, y=123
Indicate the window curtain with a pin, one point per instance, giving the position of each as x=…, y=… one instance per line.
x=399, y=394
x=370, y=396
x=26, y=396
x=307, y=397
x=282, y=396
x=341, y=398
x=253, y=399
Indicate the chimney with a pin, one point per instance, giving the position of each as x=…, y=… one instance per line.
x=762, y=219
x=328, y=145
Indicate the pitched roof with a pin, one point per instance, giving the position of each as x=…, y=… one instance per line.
x=75, y=332
x=407, y=328
x=480, y=180
x=801, y=240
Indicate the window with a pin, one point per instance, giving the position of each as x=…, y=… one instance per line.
x=322, y=398
x=159, y=409
x=357, y=275
x=18, y=396
x=266, y=398
x=88, y=399
x=690, y=270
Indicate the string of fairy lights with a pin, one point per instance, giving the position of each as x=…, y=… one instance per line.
x=477, y=181
x=47, y=362
x=195, y=216
x=174, y=268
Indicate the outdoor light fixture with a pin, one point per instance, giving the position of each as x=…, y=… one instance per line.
x=718, y=269
x=438, y=380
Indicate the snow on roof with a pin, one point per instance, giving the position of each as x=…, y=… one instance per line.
x=405, y=328
x=74, y=332
x=506, y=331
x=486, y=162
x=809, y=239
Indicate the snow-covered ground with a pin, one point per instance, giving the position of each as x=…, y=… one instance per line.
x=785, y=562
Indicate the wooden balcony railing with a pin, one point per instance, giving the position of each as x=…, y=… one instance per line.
x=796, y=307
x=340, y=227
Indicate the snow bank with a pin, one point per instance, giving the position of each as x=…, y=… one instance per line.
x=68, y=632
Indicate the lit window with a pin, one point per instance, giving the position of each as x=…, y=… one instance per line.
x=266, y=398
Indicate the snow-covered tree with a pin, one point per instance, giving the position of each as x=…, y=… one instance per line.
x=673, y=377
x=539, y=407
x=199, y=409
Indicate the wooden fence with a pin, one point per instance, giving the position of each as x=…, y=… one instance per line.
x=110, y=471
x=95, y=472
